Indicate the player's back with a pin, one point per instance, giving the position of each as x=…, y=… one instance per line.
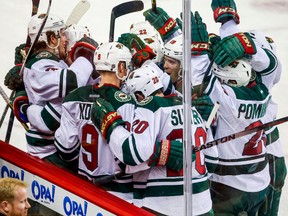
x=163, y=184
x=79, y=133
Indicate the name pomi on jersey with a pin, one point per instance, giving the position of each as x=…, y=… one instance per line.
x=177, y=117
x=252, y=110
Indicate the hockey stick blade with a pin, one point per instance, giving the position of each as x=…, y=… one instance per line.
x=120, y=10
x=201, y=90
x=78, y=12
x=240, y=134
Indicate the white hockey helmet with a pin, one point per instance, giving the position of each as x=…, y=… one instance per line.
x=236, y=74
x=74, y=33
x=145, y=80
x=156, y=45
x=108, y=55
x=54, y=23
x=174, y=48
x=144, y=28
x=151, y=37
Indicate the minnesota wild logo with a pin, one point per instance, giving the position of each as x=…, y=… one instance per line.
x=122, y=97
x=43, y=55
x=145, y=101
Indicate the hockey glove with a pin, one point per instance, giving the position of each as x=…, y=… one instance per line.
x=204, y=106
x=13, y=80
x=105, y=117
x=141, y=51
x=85, y=47
x=20, y=53
x=213, y=41
x=233, y=47
x=224, y=10
x=20, y=106
x=199, y=35
x=162, y=22
x=167, y=153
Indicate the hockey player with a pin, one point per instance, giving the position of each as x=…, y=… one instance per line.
x=78, y=139
x=241, y=179
x=48, y=79
x=157, y=121
x=173, y=46
x=266, y=63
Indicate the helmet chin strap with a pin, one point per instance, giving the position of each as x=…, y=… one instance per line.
x=55, y=48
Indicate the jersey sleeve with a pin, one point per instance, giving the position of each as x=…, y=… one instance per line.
x=45, y=118
x=66, y=136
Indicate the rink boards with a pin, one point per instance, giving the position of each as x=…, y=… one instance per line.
x=59, y=190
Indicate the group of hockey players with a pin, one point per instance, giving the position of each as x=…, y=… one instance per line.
x=113, y=112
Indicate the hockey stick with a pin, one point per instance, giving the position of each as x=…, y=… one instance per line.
x=9, y=103
x=212, y=115
x=35, y=6
x=201, y=89
x=30, y=51
x=120, y=10
x=10, y=127
x=240, y=134
x=106, y=179
x=154, y=6
x=77, y=13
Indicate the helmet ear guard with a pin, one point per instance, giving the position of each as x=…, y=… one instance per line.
x=236, y=74
x=108, y=56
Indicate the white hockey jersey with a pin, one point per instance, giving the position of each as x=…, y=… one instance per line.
x=159, y=188
x=47, y=81
x=78, y=137
x=267, y=64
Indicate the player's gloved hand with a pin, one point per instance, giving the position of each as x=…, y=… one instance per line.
x=232, y=47
x=204, y=106
x=20, y=53
x=162, y=22
x=199, y=34
x=85, y=47
x=13, y=80
x=213, y=41
x=141, y=51
x=167, y=153
x=20, y=106
x=105, y=117
x=224, y=10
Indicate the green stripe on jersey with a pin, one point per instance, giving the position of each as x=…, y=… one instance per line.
x=243, y=168
x=273, y=63
x=163, y=190
x=35, y=138
x=51, y=117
